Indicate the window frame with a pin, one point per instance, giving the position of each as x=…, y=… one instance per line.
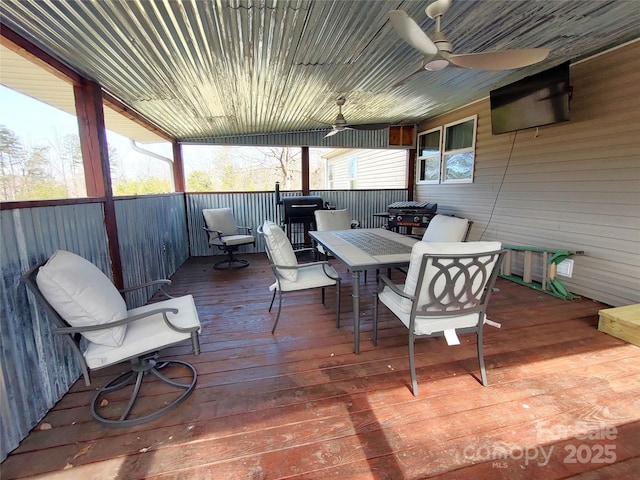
x=421, y=160
x=444, y=152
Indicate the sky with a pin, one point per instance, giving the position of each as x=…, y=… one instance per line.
x=39, y=124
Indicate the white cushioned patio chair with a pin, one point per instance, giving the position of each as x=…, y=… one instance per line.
x=91, y=314
x=225, y=234
x=446, y=293
x=445, y=228
x=328, y=220
x=292, y=276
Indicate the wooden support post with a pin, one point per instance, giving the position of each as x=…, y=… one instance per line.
x=93, y=143
x=178, y=168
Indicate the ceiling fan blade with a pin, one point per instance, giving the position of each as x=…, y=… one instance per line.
x=331, y=133
x=501, y=60
x=411, y=33
x=407, y=78
x=369, y=126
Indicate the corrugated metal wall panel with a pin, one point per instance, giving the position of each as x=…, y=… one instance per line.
x=252, y=209
x=153, y=240
x=313, y=138
x=249, y=209
x=573, y=185
x=37, y=367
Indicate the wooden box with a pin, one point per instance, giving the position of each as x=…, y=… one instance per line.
x=621, y=322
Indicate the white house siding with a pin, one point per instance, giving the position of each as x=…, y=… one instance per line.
x=573, y=185
x=376, y=169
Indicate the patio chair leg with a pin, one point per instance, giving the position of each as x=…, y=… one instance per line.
x=338, y=304
x=272, y=299
x=412, y=365
x=483, y=372
x=374, y=337
x=273, y=330
x=140, y=368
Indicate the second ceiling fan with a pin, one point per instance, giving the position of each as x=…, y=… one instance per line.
x=340, y=123
x=438, y=52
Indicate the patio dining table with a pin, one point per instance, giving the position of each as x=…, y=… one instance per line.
x=365, y=249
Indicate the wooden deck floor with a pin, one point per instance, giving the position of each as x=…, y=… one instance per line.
x=563, y=399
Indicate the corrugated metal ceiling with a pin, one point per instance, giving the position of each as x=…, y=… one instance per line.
x=203, y=69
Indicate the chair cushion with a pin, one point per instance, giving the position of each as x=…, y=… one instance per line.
x=421, y=248
x=281, y=250
x=309, y=277
x=238, y=239
x=220, y=219
x=332, y=220
x=443, y=228
x=147, y=334
x=83, y=296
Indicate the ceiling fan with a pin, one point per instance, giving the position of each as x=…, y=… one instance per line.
x=438, y=52
x=340, y=123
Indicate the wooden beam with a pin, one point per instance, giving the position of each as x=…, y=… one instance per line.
x=128, y=112
x=95, y=156
x=411, y=173
x=305, y=171
x=178, y=168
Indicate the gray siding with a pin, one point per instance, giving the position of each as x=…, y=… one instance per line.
x=376, y=169
x=572, y=185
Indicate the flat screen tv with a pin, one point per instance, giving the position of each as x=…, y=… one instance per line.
x=537, y=100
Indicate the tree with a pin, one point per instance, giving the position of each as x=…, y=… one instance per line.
x=12, y=156
x=199, y=181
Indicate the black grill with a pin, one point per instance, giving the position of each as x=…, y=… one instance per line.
x=300, y=209
x=411, y=214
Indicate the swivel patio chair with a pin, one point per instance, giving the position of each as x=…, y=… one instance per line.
x=446, y=293
x=225, y=234
x=292, y=276
x=89, y=312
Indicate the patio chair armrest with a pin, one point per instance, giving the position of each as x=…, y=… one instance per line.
x=324, y=264
x=126, y=321
x=300, y=266
x=246, y=229
x=306, y=249
x=210, y=230
x=162, y=282
x=384, y=281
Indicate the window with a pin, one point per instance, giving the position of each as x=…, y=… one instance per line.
x=459, y=151
x=428, y=163
x=352, y=172
x=446, y=154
